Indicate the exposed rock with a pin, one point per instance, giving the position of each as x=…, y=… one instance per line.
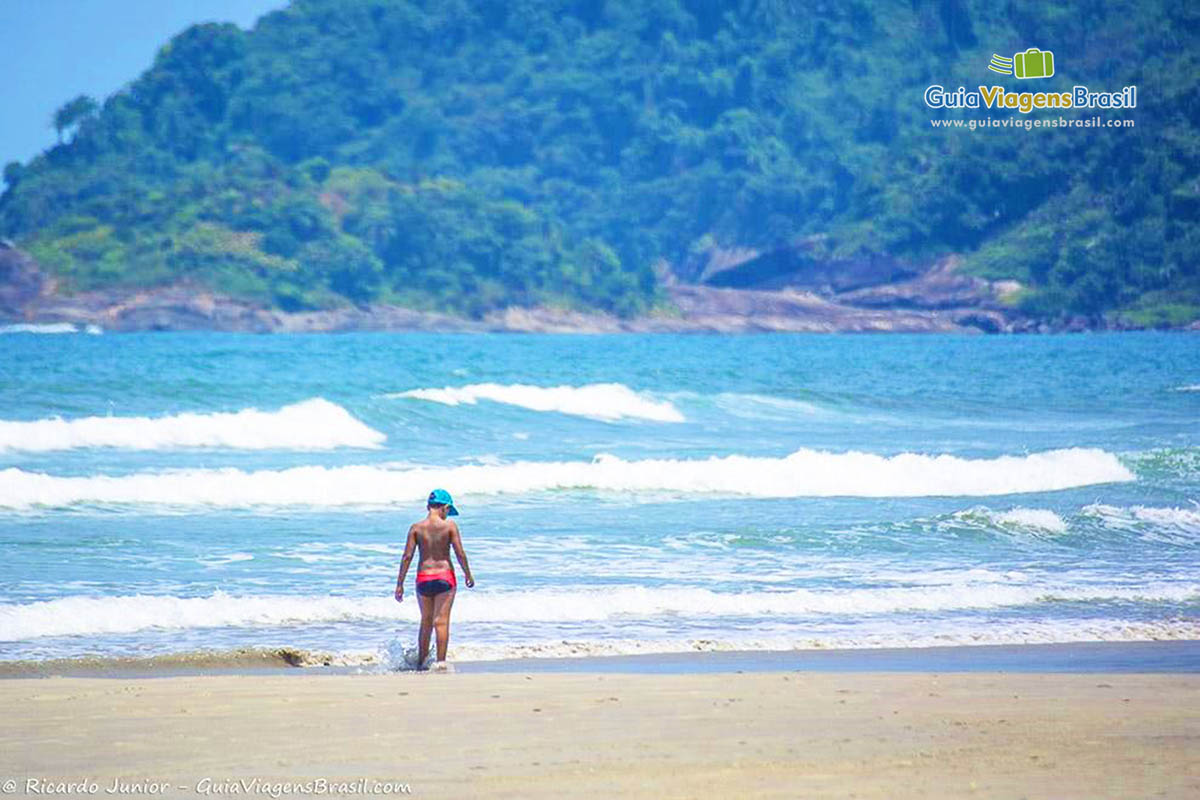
x=984, y=320
x=740, y=311
x=802, y=264
x=940, y=300
x=720, y=260
x=1006, y=290
x=173, y=308
x=21, y=282
x=373, y=318
x=547, y=320
x=1078, y=324
x=700, y=309
x=941, y=287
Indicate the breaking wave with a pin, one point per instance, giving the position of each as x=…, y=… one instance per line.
x=51, y=328
x=1178, y=517
x=602, y=401
x=88, y=615
x=1179, y=526
x=1032, y=519
x=805, y=473
x=315, y=424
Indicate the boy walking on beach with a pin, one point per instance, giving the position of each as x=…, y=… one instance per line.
x=436, y=586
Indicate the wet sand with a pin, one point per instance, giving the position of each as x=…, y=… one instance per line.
x=766, y=734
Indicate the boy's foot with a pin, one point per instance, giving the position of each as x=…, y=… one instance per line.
x=442, y=666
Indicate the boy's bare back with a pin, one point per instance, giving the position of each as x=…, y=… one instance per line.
x=434, y=538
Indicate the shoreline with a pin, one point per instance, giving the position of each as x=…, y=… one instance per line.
x=697, y=310
x=1181, y=657
x=940, y=300
x=1165, y=657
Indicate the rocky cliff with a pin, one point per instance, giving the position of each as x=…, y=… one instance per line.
x=938, y=300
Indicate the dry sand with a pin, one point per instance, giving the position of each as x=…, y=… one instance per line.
x=608, y=735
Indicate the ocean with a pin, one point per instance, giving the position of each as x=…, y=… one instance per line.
x=166, y=494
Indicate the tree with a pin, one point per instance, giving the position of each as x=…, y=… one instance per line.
x=12, y=172
x=73, y=113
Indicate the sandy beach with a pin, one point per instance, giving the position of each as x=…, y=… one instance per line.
x=772, y=734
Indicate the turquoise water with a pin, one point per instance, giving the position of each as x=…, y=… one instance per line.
x=164, y=493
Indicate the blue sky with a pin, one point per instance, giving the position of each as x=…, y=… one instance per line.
x=54, y=50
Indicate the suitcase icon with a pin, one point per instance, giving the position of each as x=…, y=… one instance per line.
x=1033, y=63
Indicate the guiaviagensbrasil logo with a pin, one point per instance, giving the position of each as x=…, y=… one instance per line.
x=1026, y=65
x=1033, y=63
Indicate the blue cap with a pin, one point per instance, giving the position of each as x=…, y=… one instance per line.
x=441, y=497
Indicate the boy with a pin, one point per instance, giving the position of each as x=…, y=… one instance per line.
x=435, y=535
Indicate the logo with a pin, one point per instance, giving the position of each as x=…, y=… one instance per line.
x=1033, y=63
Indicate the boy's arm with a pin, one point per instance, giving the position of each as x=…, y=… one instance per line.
x=456, y=540
x=409, y=547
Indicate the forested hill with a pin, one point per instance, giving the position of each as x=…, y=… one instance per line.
x=476, y=154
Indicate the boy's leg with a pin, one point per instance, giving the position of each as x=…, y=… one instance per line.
x=426, y=604
x=441, y=620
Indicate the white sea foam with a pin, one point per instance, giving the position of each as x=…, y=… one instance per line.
x=127, y=613
x=87, y=615
x=1180, y=519
x=226, y=558
x=602, y=401
x=805, y=473
x=400, y=653
x=315, y=424
x=926, y=635
x=51, y=328
x=1193, y=387
x=758, y=406
x=1042, y=519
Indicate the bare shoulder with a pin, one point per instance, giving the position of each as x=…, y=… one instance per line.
x=418, y=530
x=453, y=527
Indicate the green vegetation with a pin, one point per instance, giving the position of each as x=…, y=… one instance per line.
x=474, y=154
